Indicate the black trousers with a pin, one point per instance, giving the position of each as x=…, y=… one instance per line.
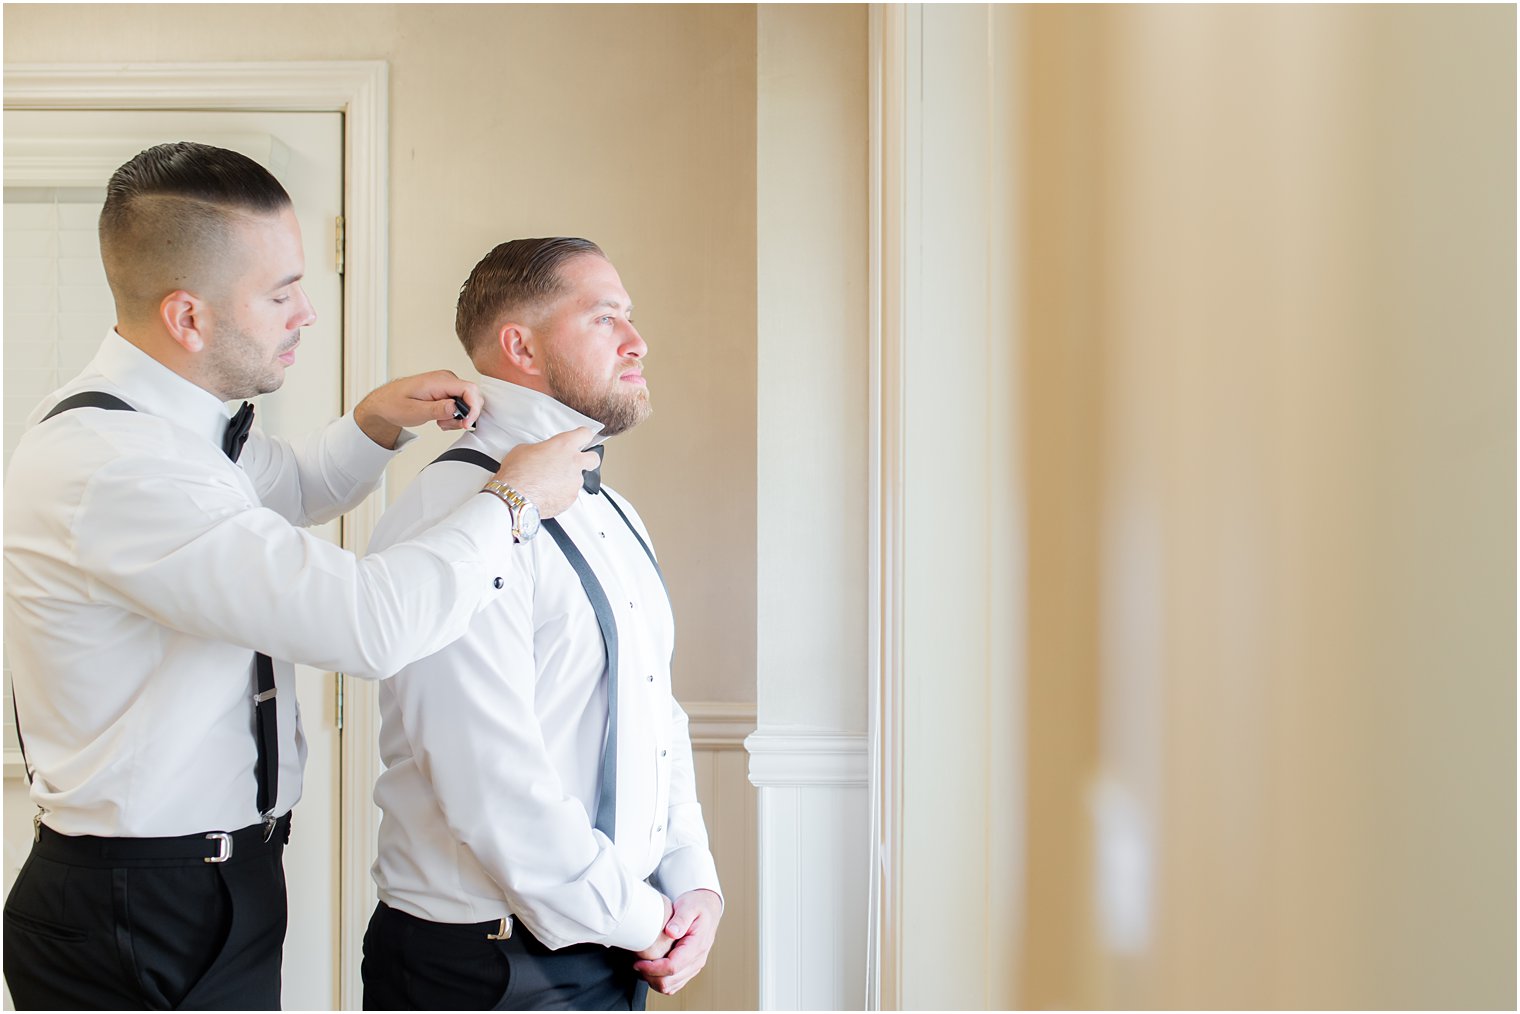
x=413, y=964
x=87, y=930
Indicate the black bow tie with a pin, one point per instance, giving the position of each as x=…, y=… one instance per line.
x=592, y=480
x=237, y=431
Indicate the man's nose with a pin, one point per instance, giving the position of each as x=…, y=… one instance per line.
x=632, y=345
x=310, y=316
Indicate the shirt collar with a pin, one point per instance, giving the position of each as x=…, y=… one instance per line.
x=520, y=415
x=154, y=388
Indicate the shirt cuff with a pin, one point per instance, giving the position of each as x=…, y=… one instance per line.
x=487, y=524
x=362, y=455
x=642, y=924
x=688, y=868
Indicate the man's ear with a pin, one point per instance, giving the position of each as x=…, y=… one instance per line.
x=185, y=317
x=519, y=347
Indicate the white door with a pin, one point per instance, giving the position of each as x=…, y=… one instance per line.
x=57, y=309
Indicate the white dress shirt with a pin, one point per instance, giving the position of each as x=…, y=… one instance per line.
x=143, y=568
x=493, y=745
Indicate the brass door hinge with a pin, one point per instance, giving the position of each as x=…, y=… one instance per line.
x=339, y=258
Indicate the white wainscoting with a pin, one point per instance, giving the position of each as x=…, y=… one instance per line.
x=814, y=873
x=729, y=806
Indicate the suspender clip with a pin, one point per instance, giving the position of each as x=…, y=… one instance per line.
x=268, y=827
x=37, y=826
x=503, y=931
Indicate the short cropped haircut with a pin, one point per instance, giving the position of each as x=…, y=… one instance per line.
x=518, y=277
x=168, y=214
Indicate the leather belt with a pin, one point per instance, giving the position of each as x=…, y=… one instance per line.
x=491, y=929
x=183, y=850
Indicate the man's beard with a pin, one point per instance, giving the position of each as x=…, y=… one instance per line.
x=617, y=407
x=239, y=371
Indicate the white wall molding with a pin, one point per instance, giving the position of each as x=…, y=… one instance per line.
x=780, y=759
x=359, y=90
x=719, y=725
x=323, y=86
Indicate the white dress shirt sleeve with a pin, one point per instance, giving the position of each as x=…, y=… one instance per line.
x=315, y=479
x=468, y=713
x=687, y=864
x=178, y=539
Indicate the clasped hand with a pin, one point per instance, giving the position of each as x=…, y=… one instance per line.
x=681, y=950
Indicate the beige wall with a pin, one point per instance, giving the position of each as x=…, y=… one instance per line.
x=812, y=196
x=634, y=126
x=1271, y=411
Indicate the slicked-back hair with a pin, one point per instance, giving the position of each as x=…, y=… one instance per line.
x=517, y=277
x=169, y=210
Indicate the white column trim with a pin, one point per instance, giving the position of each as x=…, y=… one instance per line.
x=779, y=759
x=359, y=89
x=812, y=806
x=895, y=31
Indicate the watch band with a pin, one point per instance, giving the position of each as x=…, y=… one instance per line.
x=514, y=500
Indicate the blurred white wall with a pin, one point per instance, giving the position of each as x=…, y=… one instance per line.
x=1270, y=411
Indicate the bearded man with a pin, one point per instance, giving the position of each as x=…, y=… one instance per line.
x=542, y=845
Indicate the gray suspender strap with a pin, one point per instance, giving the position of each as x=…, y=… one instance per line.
x=606, y=802
x=471, y=456
x=266, y=766
x=606, y=806
x=647, y=551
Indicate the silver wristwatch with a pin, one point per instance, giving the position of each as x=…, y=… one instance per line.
x=525, y=522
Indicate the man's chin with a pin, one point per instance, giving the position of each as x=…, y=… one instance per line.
x=273, y=382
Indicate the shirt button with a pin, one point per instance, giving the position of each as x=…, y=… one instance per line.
x=630, y=605
x=659, y=828
x=651, y=679
x=498, y=583
x=602, y=534
x=664, y=752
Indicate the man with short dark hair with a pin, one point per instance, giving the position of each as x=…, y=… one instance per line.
x=542, y=846
x=157, y=592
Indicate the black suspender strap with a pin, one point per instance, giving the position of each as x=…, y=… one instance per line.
x=88, y=399
x=84, y=399
x=266, y=767
x=267, y=728
x=26, y=765
x=469, y=455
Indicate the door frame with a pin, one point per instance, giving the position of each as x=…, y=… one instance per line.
x=359, y=89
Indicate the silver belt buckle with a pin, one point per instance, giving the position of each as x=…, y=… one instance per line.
x=224, y=847
x=503, y=931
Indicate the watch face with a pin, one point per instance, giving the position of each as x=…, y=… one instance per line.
x=527, y=522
